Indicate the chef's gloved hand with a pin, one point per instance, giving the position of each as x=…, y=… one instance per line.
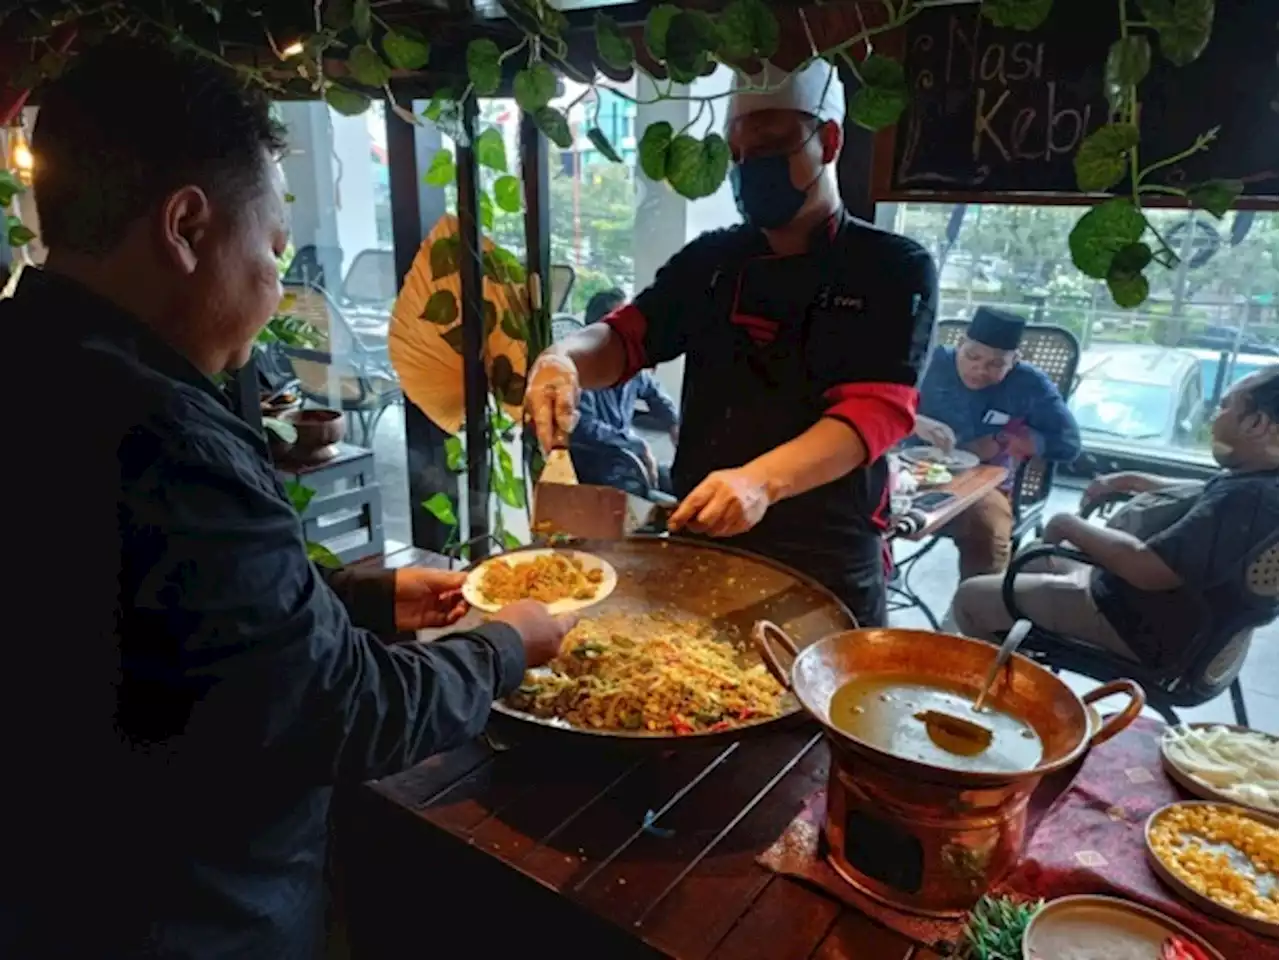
x=725, y=504
x=551, y=399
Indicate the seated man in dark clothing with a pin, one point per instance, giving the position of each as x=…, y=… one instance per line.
x=187, y=689
x=1146, y=597
x=605, y=418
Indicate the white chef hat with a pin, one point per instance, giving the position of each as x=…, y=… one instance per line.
x=815, y=90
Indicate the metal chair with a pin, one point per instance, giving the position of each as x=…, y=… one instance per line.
x=370, y=281
x=366, y=384
x=1055, y=352
x=1210, y=664
x=562, y=279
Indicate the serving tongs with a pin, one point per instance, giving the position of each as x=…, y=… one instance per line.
x=960, y=735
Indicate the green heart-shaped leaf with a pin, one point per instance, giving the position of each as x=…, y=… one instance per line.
x=366, y=67
x=441, y=507
x=696, y=168
x=534, y=87
x=691, y=36
x=1102, y=232
x=454, y=454
x=879, y=102
x=441, y=171
x=601, y=143
x=1102, y=160
x=1128, y=62
x=508, y=194
x=1215, y=197
x=1131, y=259
x=514, y=326
x=349, y=103
x=362, y=19
x=748, y=28
x=1018, y=14
x=510, y=541
x=484, y=68
x=20, y=234
x=1128, y=290
x=555, y=126
x=406, y=48
x=337, y=14
x=491, y=150
x=445, y=258
x=655, y=29
x=1183, y=26
x=486, y=211
x=653, y=149
x=614, y=47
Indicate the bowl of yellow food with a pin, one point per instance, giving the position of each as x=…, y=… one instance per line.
x=1221, y=858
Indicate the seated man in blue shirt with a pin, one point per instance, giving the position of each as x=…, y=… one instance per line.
x=1208, y=568
x=978, y=396
x=604, y=428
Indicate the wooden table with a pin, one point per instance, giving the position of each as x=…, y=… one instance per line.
x=966, y=488
x=543, y=849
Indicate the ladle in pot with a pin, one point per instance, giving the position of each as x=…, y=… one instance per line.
x=962, y=736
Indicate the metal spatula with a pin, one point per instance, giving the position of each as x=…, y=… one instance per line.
x=588, y=512
x=558, y=468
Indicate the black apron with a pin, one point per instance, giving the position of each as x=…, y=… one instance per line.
x=752, y=382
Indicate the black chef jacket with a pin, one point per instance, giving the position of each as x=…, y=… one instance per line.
x=181, y=688
x=773, y=344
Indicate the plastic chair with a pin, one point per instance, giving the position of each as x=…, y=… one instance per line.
x=562, y=278
x=370, y=280
x=367, y=385
x=1055, y=352
x=1210, y=664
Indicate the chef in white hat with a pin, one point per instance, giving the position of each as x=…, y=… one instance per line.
x=805, y=331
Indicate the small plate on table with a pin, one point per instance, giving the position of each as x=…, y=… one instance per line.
x=592, y=566
x=1261, y=880
x=955, y=461
x=1098, y=928
x=1198, y=788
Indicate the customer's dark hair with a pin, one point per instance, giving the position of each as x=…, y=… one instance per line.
x=1264, y=395
x=603, y=304
x=129, y=123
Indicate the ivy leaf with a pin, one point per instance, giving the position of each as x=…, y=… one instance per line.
x=514, y=326
x=10, y=187
x=445, y=259
x=491, y=151
x=366, y=67
x=338, y=14
x=1102, y=160
x=507, y=194
x=441, y=171
x=362, y=19
x=1183, y=27
x=653, y=150
x=601, y=143
x=441, y=308
x=483, y=69
x=554, y=126
x=19, y=232
x=439, y=100
x=1128, y=62
x=455, y=455
x=510, y=541
x=534, y=87
x=691, y=36
x=655, y=29
x=879, y=102
x=441, y=507
x=1128, y=290
x=486, y=211
x=1102, y=232
x=1133, y=258
x=453, y=337
x=406, y=48
x=1215, y=197
x=696, y=168
x=502, y=266
x=614, y=47
x=322, y=556
x=509, y=386
x=349, y=103
x=748, y=28
x=299, y=494
x=446, y=113
x=1018, y=14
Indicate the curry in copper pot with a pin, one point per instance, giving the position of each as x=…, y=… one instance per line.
x=883, y=711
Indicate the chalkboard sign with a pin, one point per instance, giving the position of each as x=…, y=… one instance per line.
x=1003, y=111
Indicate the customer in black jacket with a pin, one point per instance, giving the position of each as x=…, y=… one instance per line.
x=181, y=688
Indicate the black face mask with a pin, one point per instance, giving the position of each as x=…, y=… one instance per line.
x=763, y=190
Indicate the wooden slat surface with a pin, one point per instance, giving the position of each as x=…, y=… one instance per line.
x=566, y=830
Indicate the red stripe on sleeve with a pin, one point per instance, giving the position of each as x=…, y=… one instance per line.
x=629, y=323
x=882, y=413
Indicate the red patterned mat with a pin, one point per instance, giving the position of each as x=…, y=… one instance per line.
x=1086, y=828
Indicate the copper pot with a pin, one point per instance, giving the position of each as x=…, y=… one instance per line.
x=919, y=837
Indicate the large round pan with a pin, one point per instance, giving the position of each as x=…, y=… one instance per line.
x=728, y=589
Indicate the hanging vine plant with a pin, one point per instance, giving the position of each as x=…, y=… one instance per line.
x=347, y=53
